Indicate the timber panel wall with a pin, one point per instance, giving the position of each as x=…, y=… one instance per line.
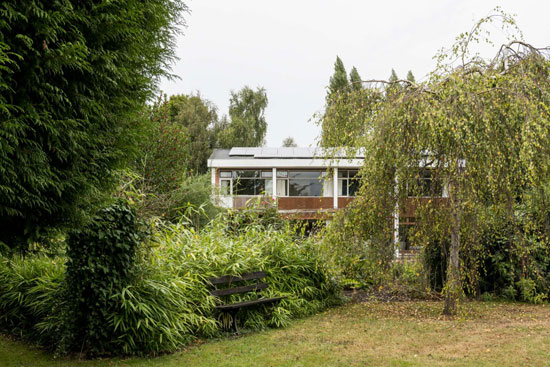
x=305, y=203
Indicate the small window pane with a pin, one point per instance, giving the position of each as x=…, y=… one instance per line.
x=267, y=174
x=282, y=174
x=305, y=175
x=245, y=174
x=225, y=174
x=225, y=187
x=343, y=187
x=269, y=187
x=342, y=174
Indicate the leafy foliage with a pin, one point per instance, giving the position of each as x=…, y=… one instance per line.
x=101, y=262
x=72, y=76
x=32, y=299
x=197, y=117
x=289, y=142
x=482, y=129
x=158, y=300
x=247, y=125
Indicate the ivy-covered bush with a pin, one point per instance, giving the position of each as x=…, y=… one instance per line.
x=101, y=261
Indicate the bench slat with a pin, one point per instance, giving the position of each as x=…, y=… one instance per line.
x=231, y=279
x=235, y=290
x=233, y=306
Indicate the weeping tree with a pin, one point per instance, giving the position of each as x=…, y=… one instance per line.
x=479, y=127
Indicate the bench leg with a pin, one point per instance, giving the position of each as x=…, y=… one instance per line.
x=234, y=317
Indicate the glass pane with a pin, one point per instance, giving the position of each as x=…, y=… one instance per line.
x=269, y=187
x=342, y=174
x=305, y=174
x=267, y=174
x=225, y=187
x=245, y=174
x=282, y=174
x=343, y=187
x=282, y=187
x=243, y=187
x=259, y=187
x=353, y=187
x=226, y=174
x=305, y=187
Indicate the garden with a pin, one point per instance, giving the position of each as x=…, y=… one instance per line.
x=110, y=237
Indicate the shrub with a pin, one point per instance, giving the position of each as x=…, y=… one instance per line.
x=32, y=298
x=123, y=298
x=101, y=262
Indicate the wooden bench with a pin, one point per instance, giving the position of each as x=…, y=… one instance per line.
x=228, y=281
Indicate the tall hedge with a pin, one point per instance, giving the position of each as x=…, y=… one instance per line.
x=72, y=74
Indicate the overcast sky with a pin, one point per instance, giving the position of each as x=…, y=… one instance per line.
x=289, y=48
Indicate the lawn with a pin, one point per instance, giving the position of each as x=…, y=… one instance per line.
x=360, y=334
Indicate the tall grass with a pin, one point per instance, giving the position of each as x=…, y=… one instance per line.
x=168, y=304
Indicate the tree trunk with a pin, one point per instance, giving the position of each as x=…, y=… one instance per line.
x=453, y=268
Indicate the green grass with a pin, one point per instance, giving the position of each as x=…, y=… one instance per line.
x=368, y=334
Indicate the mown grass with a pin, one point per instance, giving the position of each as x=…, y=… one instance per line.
x=367, y=334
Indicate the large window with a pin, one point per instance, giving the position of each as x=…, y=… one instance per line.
x=306, y=183
x=246, y=182
x=348, y=183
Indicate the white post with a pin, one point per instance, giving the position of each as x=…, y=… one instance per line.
x=335, y=187
x=213, y=181
x=274, y=179
x=396, y=222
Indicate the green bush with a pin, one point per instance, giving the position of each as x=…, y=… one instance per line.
x=102, y=261
x=157, y=301
x=32, y=298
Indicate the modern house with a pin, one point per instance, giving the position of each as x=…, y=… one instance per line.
x=301, y=183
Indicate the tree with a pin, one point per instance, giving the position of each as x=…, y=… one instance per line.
x=289, y=142
x=165, y=149
x=410, y=77
x=197, y=117
x=480, y=127
x=339, y=80
x=345, y=109
x=393, y=76
x=355, y=79
x=73, y=75
x=246, y=126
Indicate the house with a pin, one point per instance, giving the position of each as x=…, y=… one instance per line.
x=300, y=182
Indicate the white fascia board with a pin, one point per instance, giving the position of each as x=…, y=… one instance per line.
x=285, y=163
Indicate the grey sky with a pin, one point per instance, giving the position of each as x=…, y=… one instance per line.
x=289, y=48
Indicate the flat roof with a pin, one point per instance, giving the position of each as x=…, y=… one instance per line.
x=285, y=157
x=283, y=153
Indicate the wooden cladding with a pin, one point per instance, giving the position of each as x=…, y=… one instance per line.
x=343, y=202
x=305, y=203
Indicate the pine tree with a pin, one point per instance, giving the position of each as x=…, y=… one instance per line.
x=339, y=80
x=410, y=77
x=355, y=79
x=393, y=76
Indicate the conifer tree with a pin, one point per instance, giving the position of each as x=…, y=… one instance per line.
x=73, y=75
x=410, y=77
x=339, y=80
x=355, y=79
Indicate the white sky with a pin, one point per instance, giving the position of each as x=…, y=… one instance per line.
x=289, y=48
